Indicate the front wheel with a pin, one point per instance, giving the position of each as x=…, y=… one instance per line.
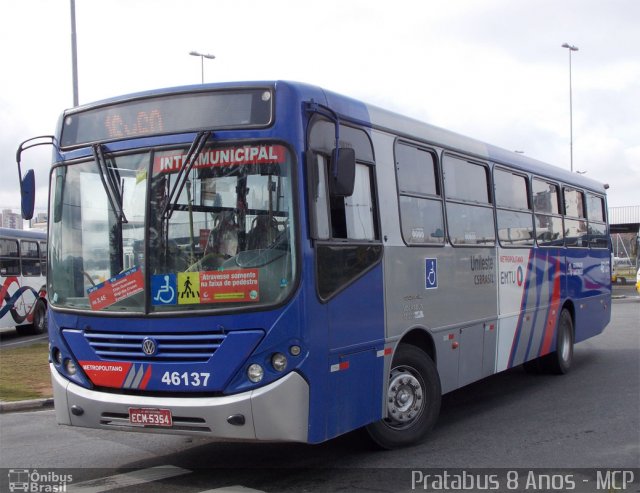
x=413, y=398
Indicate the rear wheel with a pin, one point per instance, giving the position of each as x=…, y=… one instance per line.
x=39, y=324
x=559, y=362
x=40, y=318
x=413, y=398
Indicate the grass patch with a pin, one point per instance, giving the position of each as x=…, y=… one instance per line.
x=24, y=373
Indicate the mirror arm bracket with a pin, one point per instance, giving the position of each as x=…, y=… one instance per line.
x=313, y=107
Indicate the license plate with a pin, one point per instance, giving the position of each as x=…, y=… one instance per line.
x=150, y=417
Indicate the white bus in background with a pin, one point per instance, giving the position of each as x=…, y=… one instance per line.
x=23, y=272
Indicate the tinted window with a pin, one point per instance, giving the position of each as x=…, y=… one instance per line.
x=421, y=220
x=595, y=206
x=340, y=264
x=549, y=230
x=515, y=228
x=43, y=257
x=575, y=232
x=9, y=261
x=470, y=225
x=545, y=197
x=598, y=235
x=416, y=170
x=511, y=190
x=421, y=216
x=30, y=258
x=573, y=203
x=464, y=180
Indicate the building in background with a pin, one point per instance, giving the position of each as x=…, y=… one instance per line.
x=39, y=221
x=9, y=219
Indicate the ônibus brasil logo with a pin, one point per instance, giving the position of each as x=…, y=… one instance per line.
x=38, y=482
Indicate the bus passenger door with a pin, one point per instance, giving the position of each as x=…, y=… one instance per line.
x=348, y=253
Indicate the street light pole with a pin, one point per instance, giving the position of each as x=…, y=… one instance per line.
x=570, y=48
x=202, y=57
x=74, y=54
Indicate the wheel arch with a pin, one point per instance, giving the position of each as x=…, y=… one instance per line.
x=571, y=308
x=422, y=339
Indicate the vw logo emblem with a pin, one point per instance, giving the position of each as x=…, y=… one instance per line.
x=149, y=346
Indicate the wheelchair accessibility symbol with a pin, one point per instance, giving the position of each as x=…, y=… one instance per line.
x=431, y=273
x=163, y=289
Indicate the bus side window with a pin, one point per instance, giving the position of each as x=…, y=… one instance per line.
x=43, y=257
x=421, y=216
x=346, y=229
x=9, y=259
x=468, y=202
x=546, y=204
x=352, y=217
x=597, y=222
x=30, y=258
x=515, y=221
x=575, y=225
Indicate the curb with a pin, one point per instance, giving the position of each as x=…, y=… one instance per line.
x=28, y=405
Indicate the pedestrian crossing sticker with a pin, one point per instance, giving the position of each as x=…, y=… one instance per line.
x=188, y=288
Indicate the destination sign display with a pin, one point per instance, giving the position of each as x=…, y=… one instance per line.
x=166, y=114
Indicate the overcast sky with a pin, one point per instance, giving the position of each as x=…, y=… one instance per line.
x=490, y=69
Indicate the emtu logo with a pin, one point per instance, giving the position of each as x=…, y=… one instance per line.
x=519, y=275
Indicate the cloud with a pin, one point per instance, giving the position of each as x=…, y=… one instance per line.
x=493, y=70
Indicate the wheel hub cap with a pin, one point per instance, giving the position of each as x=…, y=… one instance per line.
x=404, y=396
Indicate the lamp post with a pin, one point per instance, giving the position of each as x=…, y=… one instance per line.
x=570, y=48
x=74, y=53
x=202, y=57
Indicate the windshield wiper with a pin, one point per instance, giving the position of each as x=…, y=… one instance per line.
x=110, y=177
x=183, y=173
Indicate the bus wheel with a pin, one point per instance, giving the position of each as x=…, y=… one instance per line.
x=413, y=398
x=559, y=362
x=40, y=318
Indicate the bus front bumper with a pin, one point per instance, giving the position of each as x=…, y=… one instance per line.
x=277, y=412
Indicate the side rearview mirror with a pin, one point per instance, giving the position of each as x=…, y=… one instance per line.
x=28, y=194
x=28, y=183
x=343, y=172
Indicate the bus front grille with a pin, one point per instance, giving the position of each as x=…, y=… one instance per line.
x=174, y=347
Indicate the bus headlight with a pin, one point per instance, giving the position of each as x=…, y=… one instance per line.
x=255, y=373
x=279, y=361
x=56, y=356
x=70, y=367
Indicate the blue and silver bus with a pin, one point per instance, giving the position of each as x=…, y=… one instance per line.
x=274, y=261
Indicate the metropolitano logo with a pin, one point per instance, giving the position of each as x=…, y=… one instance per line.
x=38, y=481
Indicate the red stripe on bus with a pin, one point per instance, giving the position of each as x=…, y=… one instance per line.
x=552, y=315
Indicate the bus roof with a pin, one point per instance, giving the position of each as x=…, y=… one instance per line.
x=382, y=119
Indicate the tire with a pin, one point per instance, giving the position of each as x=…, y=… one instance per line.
x=40, y=318
x=559, y=362
x=413, y=396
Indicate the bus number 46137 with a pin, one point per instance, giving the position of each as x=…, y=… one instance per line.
x=187, y=379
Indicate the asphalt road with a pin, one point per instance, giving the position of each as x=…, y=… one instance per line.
x=589, y=418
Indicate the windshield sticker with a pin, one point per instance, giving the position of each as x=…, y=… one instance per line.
x=163, y=289
x=116, y=289
x=215, y=287
x=172, y=161
x=188, y=288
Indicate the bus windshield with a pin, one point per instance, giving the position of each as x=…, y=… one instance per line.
x=225, y=239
